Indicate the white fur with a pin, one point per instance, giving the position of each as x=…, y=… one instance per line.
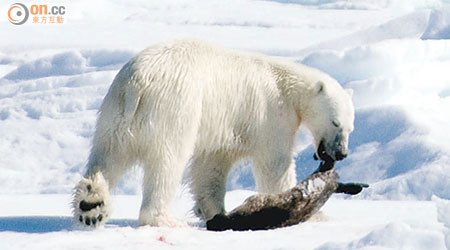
x=189, y=100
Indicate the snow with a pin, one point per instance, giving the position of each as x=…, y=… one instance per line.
x=443, y=210
x=438, y=27
x=391, y=225
x=394, y=54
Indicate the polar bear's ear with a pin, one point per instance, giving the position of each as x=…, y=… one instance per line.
x=319, y=88
x=349, y=92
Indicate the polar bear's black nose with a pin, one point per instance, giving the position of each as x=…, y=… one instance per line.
x=340, y=156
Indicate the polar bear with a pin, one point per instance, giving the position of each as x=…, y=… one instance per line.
x=192, y=103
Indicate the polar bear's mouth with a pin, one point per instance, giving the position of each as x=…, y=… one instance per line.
x=327, y=161
x=322, y=154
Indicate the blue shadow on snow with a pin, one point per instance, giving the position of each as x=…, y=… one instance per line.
x=48, y=224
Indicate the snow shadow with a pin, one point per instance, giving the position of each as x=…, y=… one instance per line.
x=71, y=63
x=35, y=224
x=306, y=2
x=383, y=145
x=48, y=224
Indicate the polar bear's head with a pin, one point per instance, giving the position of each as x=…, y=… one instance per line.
x=329, y=116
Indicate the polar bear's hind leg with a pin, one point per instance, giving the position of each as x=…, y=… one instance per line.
x=163, y=172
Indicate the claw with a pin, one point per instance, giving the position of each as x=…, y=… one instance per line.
x=88, y=221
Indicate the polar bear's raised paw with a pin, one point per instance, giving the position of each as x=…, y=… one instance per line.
x=91, y=201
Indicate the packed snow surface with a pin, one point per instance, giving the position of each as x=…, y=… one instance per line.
x=349, y=224
x=394, y=54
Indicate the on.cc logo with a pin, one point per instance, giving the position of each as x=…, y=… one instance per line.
x=18, y=14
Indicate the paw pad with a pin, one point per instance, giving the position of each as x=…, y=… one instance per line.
x=91, y=201
x=86, y=206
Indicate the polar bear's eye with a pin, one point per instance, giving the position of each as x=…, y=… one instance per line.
x=336, y=124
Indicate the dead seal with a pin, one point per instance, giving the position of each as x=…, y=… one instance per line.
x=268, y=211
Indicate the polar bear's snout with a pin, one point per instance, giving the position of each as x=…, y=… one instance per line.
x=340, y=156
x=339, y=147
x=341, y=153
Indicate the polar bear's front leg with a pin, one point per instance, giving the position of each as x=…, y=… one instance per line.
x=274, y=174
x=209, y=174
x=91, y=203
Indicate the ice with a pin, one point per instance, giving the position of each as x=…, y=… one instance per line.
x=399, y=5
x=393, y=236
x=400, y=138
x=438, y=25
x=443, y=210
x=392, y=57
x=399, y=129
x=391, y=225
x=411, y=25
x=394, y=54
x=69, y=63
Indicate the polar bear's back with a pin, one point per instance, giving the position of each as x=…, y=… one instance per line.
x=239, y=95
x=200, y=63
x=229, y=94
